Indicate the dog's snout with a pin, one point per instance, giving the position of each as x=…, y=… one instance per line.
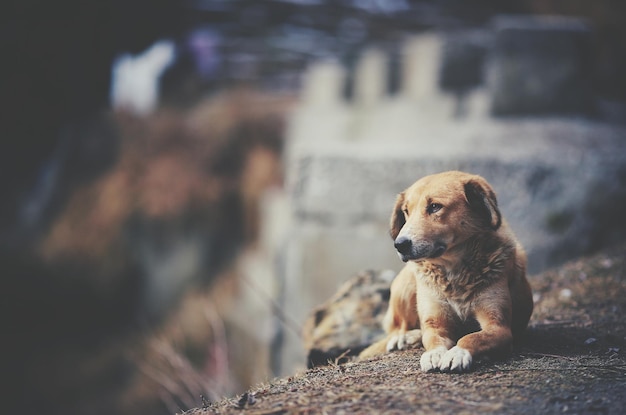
x=412, y=250
x=403, y=245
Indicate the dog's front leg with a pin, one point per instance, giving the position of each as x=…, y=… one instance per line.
x=495, y=335
x=437, y=339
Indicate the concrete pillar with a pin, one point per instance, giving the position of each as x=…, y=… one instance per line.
x=370, y=83
x=323, y=84
x=422, y=59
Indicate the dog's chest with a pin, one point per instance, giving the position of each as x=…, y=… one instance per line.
x=455, y=291
x=462, y=309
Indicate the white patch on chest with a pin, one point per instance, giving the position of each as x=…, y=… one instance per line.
x=462, y=309
x=458, y=303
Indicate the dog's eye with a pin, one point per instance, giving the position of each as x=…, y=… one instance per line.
x=433, y=208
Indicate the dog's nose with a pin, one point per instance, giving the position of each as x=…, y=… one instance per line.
x=403, y=245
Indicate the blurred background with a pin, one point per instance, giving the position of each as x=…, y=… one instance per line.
x=183, y=180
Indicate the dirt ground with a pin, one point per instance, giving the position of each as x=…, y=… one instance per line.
x=572, y=360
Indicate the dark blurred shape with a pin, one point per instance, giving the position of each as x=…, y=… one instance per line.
x=55, y=73
x=160, y=213
x=462, y=63
x=541, y=65
x=608, y=18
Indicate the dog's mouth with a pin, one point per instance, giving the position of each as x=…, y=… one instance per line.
x=439, y=250
x=409, y=250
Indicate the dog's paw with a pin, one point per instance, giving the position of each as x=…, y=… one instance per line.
x=392, y=344
x=456, y=359
x=404, y=340
x=413, y=338
x=431, y=358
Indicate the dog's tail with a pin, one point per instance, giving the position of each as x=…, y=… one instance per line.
x=377, y=348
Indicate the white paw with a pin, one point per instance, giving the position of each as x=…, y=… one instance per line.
x=413, y=338
x=392, y=344
x=402, y=341
x=456, y=359
x=431, y=358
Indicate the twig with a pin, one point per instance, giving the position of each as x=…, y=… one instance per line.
x=219, y=353
x=554, y=323
x=341, y=356
x=276, y=308
x=556, y=356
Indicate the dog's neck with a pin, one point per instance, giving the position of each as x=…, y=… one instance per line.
x=475, y=254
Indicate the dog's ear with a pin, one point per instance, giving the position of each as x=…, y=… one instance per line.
x=482, y=200
x=397, y=217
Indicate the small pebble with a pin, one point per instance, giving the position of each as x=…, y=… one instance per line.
x=565, y=294
x=590, y=341
x=606, y=263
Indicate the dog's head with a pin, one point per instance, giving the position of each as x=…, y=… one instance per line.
x=440, y=211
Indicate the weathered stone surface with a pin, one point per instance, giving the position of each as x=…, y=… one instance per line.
x=540, y=65
x=350, y=320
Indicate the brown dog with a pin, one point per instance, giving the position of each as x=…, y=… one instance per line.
x=463, y=292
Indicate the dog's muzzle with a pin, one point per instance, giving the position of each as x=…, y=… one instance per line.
x=410, y=250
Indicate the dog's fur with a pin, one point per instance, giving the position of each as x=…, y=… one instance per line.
x=463, y=292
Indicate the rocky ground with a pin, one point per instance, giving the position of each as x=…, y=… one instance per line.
x=572, y=360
